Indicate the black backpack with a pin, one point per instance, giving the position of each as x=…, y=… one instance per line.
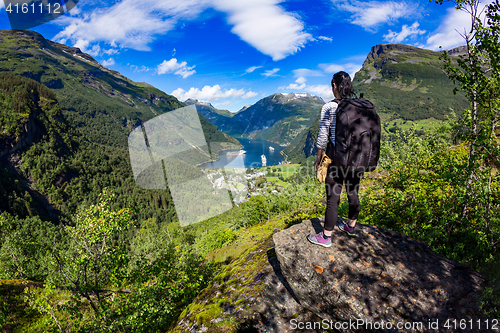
x=357, y=136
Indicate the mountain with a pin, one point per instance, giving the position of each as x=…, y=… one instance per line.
x=244, y=108
x=64, y=127
x=405, y=83
x=30, y=114
x=102, y=103
x=280, y=118
x=207, y=110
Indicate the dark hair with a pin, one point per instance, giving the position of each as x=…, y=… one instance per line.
x=344, y=85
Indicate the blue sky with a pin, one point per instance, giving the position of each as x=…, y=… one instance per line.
x=234, y=52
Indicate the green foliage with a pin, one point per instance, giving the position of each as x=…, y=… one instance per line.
x=15, y=313
x=18, y=98
x=93, y=262
x=478, y=76
x=423, y=197
x=46, y=300
x=162, y=289
x=25, y=247
x=216, y=238
x=406, y=149
x=97, y=224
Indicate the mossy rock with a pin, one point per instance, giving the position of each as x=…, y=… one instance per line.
x=249, y=294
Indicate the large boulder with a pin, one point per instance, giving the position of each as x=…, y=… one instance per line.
x=378, y=280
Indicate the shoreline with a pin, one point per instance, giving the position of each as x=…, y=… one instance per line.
x=218, y=153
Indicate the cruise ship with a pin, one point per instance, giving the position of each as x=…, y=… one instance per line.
x=264, y=160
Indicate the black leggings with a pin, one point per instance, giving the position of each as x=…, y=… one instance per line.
x=334, y=181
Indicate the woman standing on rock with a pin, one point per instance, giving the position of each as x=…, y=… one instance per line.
x=342, y=88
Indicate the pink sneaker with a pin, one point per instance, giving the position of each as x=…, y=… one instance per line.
x=319, y=239
x=347, y=229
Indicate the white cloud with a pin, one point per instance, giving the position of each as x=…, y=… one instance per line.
x=304, y=72
x=139, y=69
x=83, y=45
x=270, y=72
x=295, y=86
x=109, y=62
x=251, y=69
x=398, y=37
x=266, y=26
x=332, y=68
x=179, y=68
x=350, y=68
x=447, y=35
x=301, y=80
x=212, y=93
x=372, y=14
x=130, y=23
x=328, y=39
x=111, y=51
x=1, y=5
x=136, y=24
x=249, y=94
x=322, y=90
x=298, y=85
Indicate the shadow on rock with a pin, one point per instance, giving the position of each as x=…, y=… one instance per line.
x=379, y=275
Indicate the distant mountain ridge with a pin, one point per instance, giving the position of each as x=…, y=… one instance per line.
x=405, y=83
x=102, y=103
x=280, y=118
x=207, y=110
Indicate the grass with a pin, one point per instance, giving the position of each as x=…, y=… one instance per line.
x=286, y=170
x=423, y=124
x=277, y=181
x=15, y=314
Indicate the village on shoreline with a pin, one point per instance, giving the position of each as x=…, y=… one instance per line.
x=244, y=183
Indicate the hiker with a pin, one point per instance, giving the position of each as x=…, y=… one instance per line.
x=336, y=177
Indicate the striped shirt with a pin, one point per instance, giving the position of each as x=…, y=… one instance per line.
x=327, y=121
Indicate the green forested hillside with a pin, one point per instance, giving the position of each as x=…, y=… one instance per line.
x=49, y=168
x=102, y=103
x=93, y=103
x=408, y=83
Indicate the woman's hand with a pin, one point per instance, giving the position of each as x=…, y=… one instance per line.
x=318, y=159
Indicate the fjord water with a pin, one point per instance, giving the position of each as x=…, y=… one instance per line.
x=252, y=159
